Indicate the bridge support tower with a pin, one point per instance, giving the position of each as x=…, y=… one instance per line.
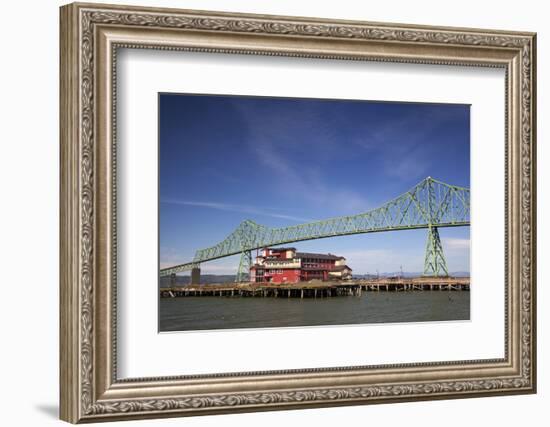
x=195, y=275
x=434, y=263
x=243, y=274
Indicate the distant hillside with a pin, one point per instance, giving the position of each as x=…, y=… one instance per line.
x=406, y=274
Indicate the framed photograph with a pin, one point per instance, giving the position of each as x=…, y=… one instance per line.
x=280, y=168
x=266, y=212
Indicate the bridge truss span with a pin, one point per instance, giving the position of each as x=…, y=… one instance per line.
x=430, y=204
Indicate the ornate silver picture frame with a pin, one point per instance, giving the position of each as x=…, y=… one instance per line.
x=91, y=36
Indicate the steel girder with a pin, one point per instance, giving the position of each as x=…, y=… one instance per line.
x=430, y=203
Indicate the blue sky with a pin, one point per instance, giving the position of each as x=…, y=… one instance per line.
x=281, y=161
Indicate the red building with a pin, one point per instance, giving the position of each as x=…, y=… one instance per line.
x=285, y=265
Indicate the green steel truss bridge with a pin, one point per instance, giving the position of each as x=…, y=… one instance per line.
x=430, y=204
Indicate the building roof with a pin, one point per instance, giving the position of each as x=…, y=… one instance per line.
x=281, y=249
x=319, y=256
x=341, y=268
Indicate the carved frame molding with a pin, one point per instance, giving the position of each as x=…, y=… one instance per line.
x=90, y=36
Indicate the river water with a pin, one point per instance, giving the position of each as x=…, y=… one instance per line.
x=204, y=313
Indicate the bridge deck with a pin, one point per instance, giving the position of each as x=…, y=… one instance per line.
x=431, y=204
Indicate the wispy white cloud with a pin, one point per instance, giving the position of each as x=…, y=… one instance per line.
x=167, y=264
x=207, y=268
x=252, y=210
x=224, y=176
x=410, y=260
x=383, y=260
x=452, y=243
x=402, y=141
x=457, y=253
x=287, y=158
x=170, y=257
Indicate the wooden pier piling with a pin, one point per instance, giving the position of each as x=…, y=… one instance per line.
x=315, y=289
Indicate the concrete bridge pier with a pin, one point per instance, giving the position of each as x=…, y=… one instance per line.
x=195, y=276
